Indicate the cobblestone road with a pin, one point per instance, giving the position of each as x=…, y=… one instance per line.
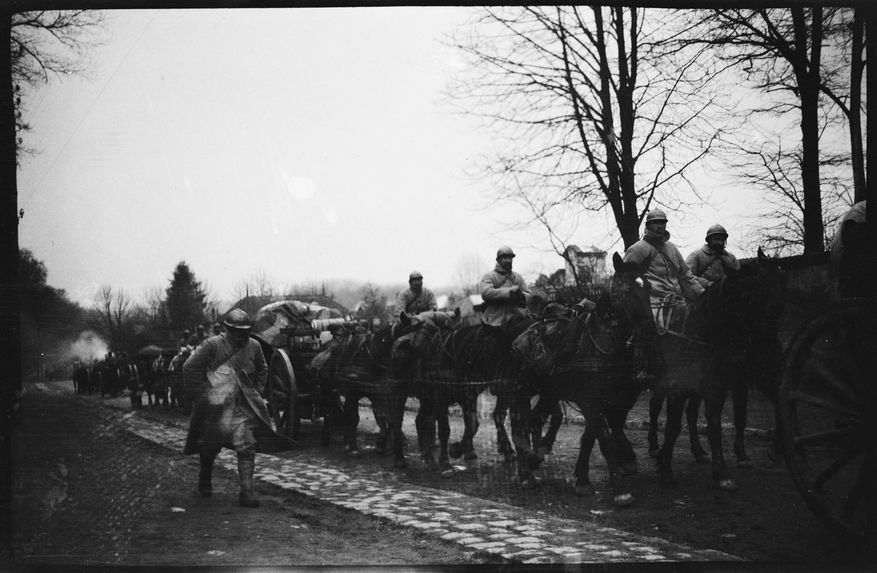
x=473, y=523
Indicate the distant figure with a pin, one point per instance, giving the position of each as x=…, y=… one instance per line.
x=217, y=329
x=415, y=299
x=504, y=292
x=230, y=371
x=710, y=263
x=184, y=340
x=196, y=339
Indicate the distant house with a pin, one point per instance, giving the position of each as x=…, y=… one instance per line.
x=589, y=266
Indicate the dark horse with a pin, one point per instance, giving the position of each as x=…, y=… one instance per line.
x=359, y=367
x=721, y=341
x=444, y=365
x=596, y=374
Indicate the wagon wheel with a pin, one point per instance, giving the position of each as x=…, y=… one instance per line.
x=824, y=405
x=284, y=405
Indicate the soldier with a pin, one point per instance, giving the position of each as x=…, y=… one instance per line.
x=196, y=339
x=670, y=279
x=415, y=298
x=710, y=263
x=661, y=261
x=504, y=291
x=229, y=371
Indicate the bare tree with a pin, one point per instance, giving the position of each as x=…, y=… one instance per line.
x=596, y=112
x=154, y=305
x=113, y=307
x=468, y=272
x=780, y=51
x=257, y=284
x=48, y=42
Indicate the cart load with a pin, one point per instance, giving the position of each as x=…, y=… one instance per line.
x=293, y=324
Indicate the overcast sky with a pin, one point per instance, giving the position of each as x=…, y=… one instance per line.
x=305, y=144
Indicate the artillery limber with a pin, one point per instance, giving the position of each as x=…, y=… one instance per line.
x=292, y=333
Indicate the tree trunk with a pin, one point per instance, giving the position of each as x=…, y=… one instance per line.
x=10, y=327
x=807, y=72
x=856, y=68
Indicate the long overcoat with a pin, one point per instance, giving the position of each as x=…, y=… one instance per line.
x=228, y=410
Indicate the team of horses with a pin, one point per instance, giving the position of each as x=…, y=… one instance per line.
x=584, y=356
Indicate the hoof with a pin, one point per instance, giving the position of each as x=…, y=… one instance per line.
x=701, y=458
x=530, y=483
x=470, y=455
x=585, y=489
x=728, y=485
x=455, y=450
x=745, y=463
x=623, y=500
x=628, y=468
x=653, y=452
x=400, y=464
x=668, y=478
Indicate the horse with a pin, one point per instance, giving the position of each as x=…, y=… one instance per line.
x=718, y=342
x=595, y=372
x=359, y=367
x=80, y=378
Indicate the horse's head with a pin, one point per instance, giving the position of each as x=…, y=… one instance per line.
x=752, y=298
x=628, y=294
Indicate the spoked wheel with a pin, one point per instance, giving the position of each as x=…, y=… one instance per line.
x=824, y=406
x=284, y=405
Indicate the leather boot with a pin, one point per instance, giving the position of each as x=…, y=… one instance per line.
x=246, y=467
x=205, y=487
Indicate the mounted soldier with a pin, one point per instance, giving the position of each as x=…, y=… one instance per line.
x=670, y=279
x=711, y=262
x=415, y=299
x=504, y=292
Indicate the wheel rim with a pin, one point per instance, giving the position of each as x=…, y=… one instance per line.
x=283, y=395
x=823, y=404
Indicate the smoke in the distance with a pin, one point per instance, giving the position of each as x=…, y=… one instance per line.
x=87, y=348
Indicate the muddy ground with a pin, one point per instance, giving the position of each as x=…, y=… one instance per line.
x=765, y=521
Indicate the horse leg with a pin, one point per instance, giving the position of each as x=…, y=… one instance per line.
x=519, y=411
x=500, y=412
x=465, y=447
x=582, y=472
x=691, y=413
x=672, y=429
x=395, y=412
x=656, y=402
x=425, y=422
x=740, y=402
x=608, y=448
x=444, y=434
x=555, y=419
x=714, y=404
x=351, y=419
x=539, y=416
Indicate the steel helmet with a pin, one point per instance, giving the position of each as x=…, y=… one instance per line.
x=415, y=275
x=656, y=215
x=505, y=252
x=716, y=230
x=237, y=319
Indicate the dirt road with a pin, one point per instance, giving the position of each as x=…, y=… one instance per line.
x=164, y=523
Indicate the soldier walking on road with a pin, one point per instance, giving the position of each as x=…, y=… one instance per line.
x=227, y=373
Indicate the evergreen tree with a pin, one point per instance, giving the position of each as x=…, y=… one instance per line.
x=185, y=303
